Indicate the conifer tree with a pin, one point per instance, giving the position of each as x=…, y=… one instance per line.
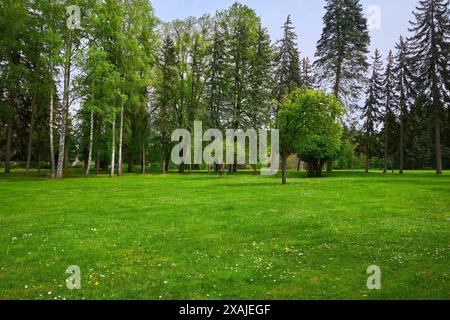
x=404, y=90
x=430, y=47
x=216, y=83
x=287, y=75
x=261, y=83
x=390, y=99
x=306, y=74
x=239, y=26
x=342, y=49
x=166, y=98
x=371, y=110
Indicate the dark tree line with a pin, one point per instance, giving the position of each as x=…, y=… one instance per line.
x=109, y=94
x=407, y=109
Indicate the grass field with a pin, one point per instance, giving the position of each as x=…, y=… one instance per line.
x=239, y=237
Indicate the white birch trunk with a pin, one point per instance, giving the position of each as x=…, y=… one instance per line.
x=143, y=156
x=91, y=139
x=52, y=146
x=120, y=164
x=65, y=109
x=113, y=147
x=30, y=134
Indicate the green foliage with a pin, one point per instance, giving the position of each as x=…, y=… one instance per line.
x=243, y=38
x=222, y=69
x=309, y=124
x=117, y=68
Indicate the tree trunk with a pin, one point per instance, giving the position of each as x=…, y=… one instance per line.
x=310, y=168
x=65, y=108
x=120, y=165
x=130, y=164
x=299, y=164
x=9, y=132
x=97, y=160
x=368, y=152
x=330, y=165
x=52, y=144
x=392, y=163
x=30, y=133
x=143, y=156
x=39, y=164
x=113, y=148
x=319, y=168
x=336, y=91
x=438, y=148
x=314, y=168
x=221, y=170
x=337, y=82
x=181, y=167
x=402, y=142
x=385, y=169
x=283, y=168
x=166, y=164
x=66, y=144
x=91, y=142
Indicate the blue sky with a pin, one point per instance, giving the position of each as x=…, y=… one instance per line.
x=306, y=15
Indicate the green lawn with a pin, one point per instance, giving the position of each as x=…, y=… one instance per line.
x=239, y=237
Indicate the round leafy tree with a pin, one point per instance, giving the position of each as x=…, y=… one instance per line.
x=310, y=126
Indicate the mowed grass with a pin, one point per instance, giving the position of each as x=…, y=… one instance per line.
x=239, y=237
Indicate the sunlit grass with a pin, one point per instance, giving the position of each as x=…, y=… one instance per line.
x=239, y=237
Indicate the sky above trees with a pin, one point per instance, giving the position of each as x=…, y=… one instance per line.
x=306, y=16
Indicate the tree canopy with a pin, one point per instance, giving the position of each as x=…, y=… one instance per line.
x=310, y=126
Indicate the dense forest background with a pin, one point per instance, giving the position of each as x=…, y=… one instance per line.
x=109, y=91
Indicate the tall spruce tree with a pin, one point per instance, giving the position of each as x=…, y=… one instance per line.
x=216, y=82
x=430, y=47
x=390, y=100
x=287, y=74
x=240, y=29
x=371, y=112
x=261, y=83
x=165, y=115
x=342, y=51
x=404, y=90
